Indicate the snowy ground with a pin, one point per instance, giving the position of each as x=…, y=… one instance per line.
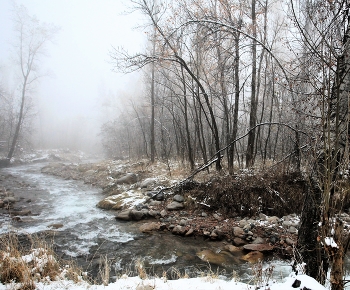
x=206, y=283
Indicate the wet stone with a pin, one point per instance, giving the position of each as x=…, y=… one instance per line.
x=178, y=198
x=175, y=206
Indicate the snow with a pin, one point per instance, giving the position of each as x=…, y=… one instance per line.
x=330, y=242
x=204, y=283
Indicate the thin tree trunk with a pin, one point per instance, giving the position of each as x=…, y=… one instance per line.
x=253, y=97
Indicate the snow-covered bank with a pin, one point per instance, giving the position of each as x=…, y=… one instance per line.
x=205, y=283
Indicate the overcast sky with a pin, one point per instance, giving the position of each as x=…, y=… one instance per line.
x=81, y=76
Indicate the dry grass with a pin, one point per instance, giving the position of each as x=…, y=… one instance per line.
x=26, y=266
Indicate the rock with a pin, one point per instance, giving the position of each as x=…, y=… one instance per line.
x=178, y=198
x=238, y=232
x=296, y=283
x=259, y=240
x=144, y=287
x=110, y=202
x=124, y=215
x=243, y=223
x=213, y=235
x=153, y=213
x=292, y=230
x=163, y=213
x=24, y=212
x=206, y=233
x=149, y=227
x=175, y=206
x=183, y=222
x=154, y=202
x=9, y=199
x=55, y=226
x=179, y=230
x=232, y=249
x=159, y=196
x=238, y=242
x=204, y=214
x=247, y=228
x=189, y=232
x=258, y=247
x=129, y=178
x=262, y=217
x=1, y=203
x=290, y=242
x=289, y=251
x=138, y=215
x=219, y=233
x=286, y=224
x=222, y=258
x=148, y=183
x=217, y=217
x=16, y=219
x=273, y=219
x=253, y=257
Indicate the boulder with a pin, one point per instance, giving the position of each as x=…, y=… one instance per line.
x=232, y=249
x=238, y=242
x=153, y=213
x=148, y=183
x=189, y=232
x=258, y=247
x=129, y=178
x=179, y=230
x=178, y=198
x=149, y=227
x=243, y=223
x=24, y=212
x=9, y=199
x=175, y=206
x=222, y=258
x=110, y=202
x=124, y=215
x=253, y=257
x=238, y=232
x=259, y=240
x=138, y=215
x=154, y=202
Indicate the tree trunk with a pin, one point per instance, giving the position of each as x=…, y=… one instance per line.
x=20, y=120
x=253, y=97
x=308, y=245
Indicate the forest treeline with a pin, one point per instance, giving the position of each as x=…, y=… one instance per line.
x=249, y=83
x=218, y=70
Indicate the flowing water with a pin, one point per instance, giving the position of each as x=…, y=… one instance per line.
x=65, y=211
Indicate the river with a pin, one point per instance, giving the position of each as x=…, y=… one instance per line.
x=65, y=212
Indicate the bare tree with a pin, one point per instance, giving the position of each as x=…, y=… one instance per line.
x=32, y=38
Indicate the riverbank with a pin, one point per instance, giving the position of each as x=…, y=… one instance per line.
x=262, y=236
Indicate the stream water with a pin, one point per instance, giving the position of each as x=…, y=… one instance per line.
x=65, y=211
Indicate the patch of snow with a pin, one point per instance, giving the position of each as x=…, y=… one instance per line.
x=203, y=283
x=330, y=242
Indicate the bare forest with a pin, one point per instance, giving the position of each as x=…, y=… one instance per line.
x=250, y=97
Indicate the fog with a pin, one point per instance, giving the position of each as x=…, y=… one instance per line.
x=78, y=88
